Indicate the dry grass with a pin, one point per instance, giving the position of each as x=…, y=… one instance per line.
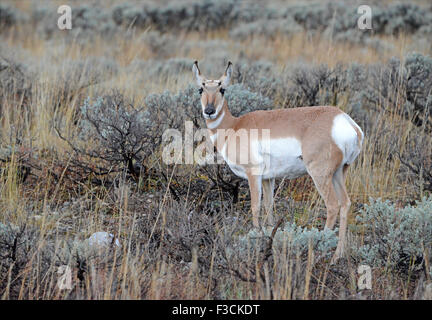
x=134, y=275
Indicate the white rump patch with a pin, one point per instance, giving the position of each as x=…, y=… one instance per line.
x=345, y=137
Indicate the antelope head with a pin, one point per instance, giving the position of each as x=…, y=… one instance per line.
x=212, y=91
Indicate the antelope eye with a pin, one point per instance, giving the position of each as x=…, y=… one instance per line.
x=200, y=90
x=222, y=90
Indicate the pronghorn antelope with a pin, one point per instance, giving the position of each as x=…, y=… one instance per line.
x=320, y=141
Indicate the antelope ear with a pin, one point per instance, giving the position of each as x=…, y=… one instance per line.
x=198, y=77
x=226, y=78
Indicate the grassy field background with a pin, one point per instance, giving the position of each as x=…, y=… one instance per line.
x=183, y=230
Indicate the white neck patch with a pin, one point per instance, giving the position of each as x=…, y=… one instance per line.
x=214, y=124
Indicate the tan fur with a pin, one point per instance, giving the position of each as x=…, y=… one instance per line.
x=312, y=127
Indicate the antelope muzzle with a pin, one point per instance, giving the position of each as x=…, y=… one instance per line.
x=210, y=109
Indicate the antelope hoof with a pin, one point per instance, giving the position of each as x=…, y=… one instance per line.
x=339, y=253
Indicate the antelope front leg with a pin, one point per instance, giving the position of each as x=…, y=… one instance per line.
x=268, y=190
x=255, y=186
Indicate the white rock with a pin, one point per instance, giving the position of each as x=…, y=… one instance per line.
x=427, y=295
x=103, y=239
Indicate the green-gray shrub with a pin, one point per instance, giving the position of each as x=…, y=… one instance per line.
x=266, y=28
x=408, y=82
x=162, y=69
x=128, y=14
x=123, y=131
x=241, y=100
x=398, y=239
x=245, y=17
x=8, y=16
x=290, y=238
x=261, y=76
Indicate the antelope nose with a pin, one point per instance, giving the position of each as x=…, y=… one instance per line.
x=209, y=110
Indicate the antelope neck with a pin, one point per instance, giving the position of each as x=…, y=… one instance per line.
x=224, y=119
